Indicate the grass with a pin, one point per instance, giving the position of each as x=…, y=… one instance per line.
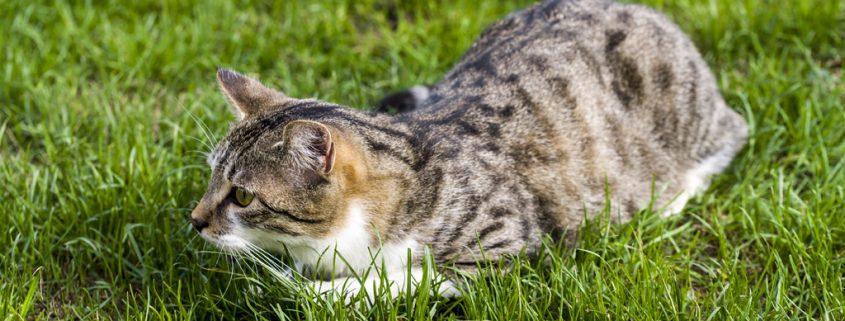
x=107, y=109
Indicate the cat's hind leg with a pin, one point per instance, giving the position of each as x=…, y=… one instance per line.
x=697, y=179
x=694, y=182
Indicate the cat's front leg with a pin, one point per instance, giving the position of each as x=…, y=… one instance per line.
x=344, y=288
x=388, y=286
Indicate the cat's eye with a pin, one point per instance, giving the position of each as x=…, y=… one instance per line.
x=243, y=197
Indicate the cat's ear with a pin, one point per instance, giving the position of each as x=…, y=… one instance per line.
x=310, y=145
x=247, y=96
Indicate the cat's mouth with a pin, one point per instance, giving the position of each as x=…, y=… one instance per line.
x=240, y=239
x=227, y=242
x=234, y=242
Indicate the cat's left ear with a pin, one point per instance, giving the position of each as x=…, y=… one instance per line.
x=310, y=144
x=247, y=95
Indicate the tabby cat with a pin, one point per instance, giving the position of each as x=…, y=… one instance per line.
x=555, y=112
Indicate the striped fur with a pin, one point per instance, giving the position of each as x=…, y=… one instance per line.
x=554, y=110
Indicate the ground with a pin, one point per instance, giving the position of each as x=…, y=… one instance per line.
x=108, y=107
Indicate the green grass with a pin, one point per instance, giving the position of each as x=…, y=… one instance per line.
x=107, y=109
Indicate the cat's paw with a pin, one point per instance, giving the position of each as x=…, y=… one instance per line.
x=351, y=290
x=340, y=289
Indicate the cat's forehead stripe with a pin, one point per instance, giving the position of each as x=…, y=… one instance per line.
x=242, y=138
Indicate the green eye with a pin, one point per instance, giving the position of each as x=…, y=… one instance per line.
x=243, y=197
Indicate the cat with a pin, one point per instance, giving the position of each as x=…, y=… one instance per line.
x=556, y=113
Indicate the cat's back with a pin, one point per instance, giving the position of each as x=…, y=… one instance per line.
x=575, y=96
x=591, y=42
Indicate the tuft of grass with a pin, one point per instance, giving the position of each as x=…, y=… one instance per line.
x=107, y=109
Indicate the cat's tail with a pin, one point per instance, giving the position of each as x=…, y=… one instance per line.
x=403, y=101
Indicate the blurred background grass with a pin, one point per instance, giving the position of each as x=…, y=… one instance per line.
x=107, y=109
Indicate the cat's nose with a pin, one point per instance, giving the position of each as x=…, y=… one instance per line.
x=199, y=224
x=199, y=217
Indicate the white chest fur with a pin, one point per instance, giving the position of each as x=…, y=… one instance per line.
x=351, y=248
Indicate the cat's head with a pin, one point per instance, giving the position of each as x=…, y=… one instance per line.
x=275, y=179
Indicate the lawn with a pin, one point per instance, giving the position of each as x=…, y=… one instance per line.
x=107, y=111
